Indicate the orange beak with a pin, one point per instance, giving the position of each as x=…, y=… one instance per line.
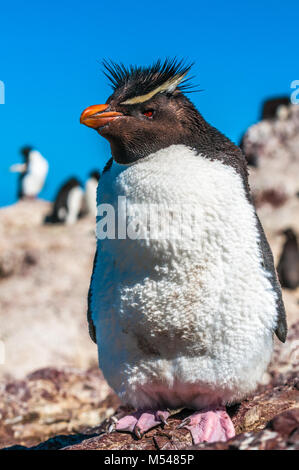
x=95, y=117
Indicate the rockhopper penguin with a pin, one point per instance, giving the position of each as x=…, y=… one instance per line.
x=180, y=321
x=276, y=108
x=68, y=204
x=33, y=173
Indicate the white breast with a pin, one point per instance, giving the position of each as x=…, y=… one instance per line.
x=180, y=320
x=36, y=175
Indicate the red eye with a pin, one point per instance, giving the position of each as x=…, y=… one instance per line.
x=148, y=114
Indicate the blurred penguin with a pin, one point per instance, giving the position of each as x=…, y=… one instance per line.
x=91, y=192
x=33, y=173
x=288, y=266
x=276, y=108
x=251, y=157
x=68, y=204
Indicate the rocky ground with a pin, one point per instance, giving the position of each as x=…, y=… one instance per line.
x=52, y=395
x=44, y=278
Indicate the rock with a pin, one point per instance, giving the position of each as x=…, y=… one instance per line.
x=55, y=443
x=266, y=409
x=286, y=424
x=44, y=279
x=267, y=420
x=53, y=401
x=285, y=361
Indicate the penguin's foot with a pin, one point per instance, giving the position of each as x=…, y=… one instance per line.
x=142, y=421
x=209, y=425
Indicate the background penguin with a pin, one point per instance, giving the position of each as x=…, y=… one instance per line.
x=288, y=266
x=67, y=207
x=252, y=158
x=273, y=108
x=276, y=108
x=184, y=320
x=91, y=192
x=33, y=173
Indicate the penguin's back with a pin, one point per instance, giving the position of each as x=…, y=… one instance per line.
x=186, y=318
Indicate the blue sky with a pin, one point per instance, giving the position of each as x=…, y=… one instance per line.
x=50, y=58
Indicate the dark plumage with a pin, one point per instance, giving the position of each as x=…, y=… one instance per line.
x=175, y=114
x=288, y=266
x=131, y=81
x=25, y=151
x=271, y=106
x=108, y=165
x=60, y=205
x=95, y=174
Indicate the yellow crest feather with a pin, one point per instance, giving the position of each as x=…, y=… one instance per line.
x=169, y=85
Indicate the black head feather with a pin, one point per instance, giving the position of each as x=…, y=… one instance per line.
x=174, y=120
x=134, y=81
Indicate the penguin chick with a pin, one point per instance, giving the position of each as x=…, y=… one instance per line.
x=185, y=319
x=67, y=207
x=91, y=192
x=288, y=265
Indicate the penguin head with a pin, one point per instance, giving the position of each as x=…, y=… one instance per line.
x=95, y=174
x=25, y=151
x=276, y=108
x=147, y=110
x=72, y=182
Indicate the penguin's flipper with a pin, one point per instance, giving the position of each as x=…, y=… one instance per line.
x=281, y=329
x=91, y=326
x=18, y=168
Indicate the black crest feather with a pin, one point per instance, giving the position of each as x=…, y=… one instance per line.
x=134, y=80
